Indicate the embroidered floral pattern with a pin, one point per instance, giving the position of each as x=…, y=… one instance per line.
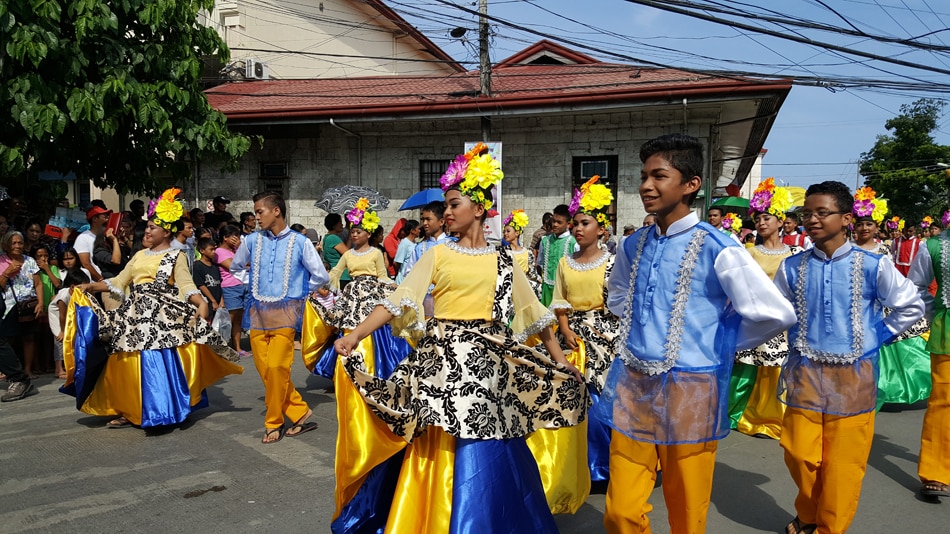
x=857, y=328
x=545, y=249
x=256, y=268
x=945, y=269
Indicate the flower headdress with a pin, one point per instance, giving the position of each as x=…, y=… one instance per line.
x=592, y=198
x=926, y=222
x=517, y=219
x=363, y=217
x=474, y=172
x=166, y=210
x=945, y=219
x=732, y=222
x=771, y=199
x=895, y=223
x=866, y=204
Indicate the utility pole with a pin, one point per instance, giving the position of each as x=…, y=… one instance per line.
x=484, y=68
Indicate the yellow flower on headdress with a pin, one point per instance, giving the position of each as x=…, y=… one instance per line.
x=598, y=196
x=520, y=218
x=781, y=202
x=169, y=210
x=483, y=171
x=880, y=210
x=370, y=221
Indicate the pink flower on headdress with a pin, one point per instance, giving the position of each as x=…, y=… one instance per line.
x=508, y=219
x=761, y=201
x=152, y=205
x=945, y=219
x=575, y=202
x=455, y=173
x=355, y=216
x=863, y=208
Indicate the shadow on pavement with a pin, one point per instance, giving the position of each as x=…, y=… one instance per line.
x=737, y=496
x=882, y=451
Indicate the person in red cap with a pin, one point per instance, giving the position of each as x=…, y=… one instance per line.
x=97, y=217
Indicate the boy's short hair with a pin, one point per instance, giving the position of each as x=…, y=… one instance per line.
x=204, y=243
x=273, y=199
x=716, y=208
x=436, y=207
x=563, y=210
x=75, y=277
x=793, y=215
x=837, y=190
x=684, y=152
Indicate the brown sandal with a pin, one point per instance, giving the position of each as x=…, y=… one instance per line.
x=268, y=432
x=797, y=527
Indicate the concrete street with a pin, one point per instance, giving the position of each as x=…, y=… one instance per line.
x=63, y=471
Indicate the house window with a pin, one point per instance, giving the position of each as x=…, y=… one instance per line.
x=274, y=177
x=430, y=170
x=604, y=166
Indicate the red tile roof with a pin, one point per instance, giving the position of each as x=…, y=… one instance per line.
x=513, y=87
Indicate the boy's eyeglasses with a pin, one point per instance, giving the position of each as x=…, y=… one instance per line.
x=822, y=215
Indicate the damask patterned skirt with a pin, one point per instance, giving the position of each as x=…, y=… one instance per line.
x=148, y=361
x=322, y=325
x=463, y=400
x=754, y=408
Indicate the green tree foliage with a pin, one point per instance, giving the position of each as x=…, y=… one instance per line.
x=905, y=166
x=109, y=90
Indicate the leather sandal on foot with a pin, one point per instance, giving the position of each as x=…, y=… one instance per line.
x=797, y=527
x=935, y=489
x=301, y=426
x=121, y=422
x=269, y=432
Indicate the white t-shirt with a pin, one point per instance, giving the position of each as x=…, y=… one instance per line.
x=86, y=243
x=53, y=311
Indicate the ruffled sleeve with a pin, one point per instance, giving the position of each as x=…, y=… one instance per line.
x=559, y=300
x=405, y=303
x=530, y=315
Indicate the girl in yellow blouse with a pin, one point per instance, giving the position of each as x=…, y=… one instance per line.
x=753, y=407
x=515, y=224
x=150, y=360
x=569, y=459
x=369, y=283
x=468, y=395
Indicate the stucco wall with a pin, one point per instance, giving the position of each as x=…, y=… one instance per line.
x=537, y=159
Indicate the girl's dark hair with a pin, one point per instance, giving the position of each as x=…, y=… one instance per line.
x=297, y=227
x=74, y=277
x=203, y=232
x=138, y=233
x=411, y=225
x=69, y=250
x=41, y=246
x=228, y=231
x=332, y=220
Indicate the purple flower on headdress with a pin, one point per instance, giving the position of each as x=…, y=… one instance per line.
x=575, y=202
x=761, y=201
x=511, y=216
x=455, y=173
x=863, y=208
x=152, y=204
x=355, y=216
x=945, y=219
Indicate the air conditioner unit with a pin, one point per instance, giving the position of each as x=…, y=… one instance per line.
x=255, y=70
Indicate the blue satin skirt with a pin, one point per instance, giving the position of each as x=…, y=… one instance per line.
x=389, y=352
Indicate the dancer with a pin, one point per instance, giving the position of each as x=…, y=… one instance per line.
x=467, y=396
x=687, y=296
x=829, y=380
x=369, y=283
x=933, y=263
x=753, y=408
x=515, y=223
x=284, y=269
x=905, y=363
x=150, y=360
x=569, y=459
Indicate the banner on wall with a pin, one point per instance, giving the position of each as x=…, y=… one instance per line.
x=493, y=229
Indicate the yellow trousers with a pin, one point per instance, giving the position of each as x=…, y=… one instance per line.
x=935, y=438
x=827, y=456
x=273, y=354
x=687, y=484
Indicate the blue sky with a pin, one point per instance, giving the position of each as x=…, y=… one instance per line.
x=815, y=126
